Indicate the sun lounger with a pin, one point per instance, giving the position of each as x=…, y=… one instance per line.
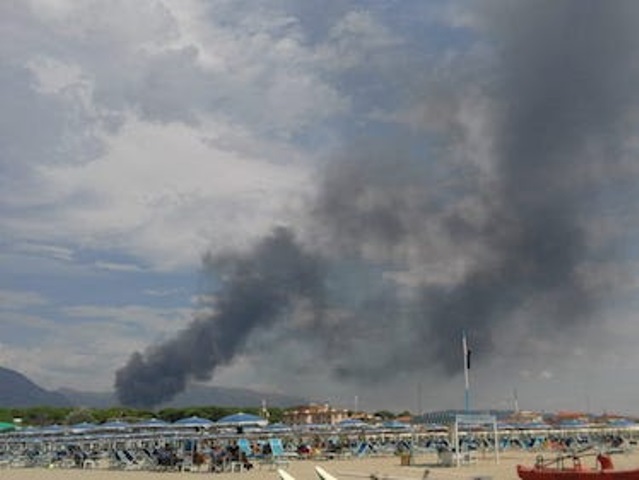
x=245, y=446
x=363, y=449
x=125, y=460
x=277, y=449
x=278, y=457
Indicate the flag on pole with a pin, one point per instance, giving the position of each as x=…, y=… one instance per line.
x=466, y=351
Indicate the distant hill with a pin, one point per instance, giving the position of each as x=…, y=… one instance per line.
x=16, y=390
x=196, y=395
x=80, y=398
x=232, y=397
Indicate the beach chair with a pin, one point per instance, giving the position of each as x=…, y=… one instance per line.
x=323, y=474
x=363, y=448
x=277, y=449
x=245, y=447
x=504, y=443
x=278, y=457
x=125, y=460
x=186, y=465
x=147, y=460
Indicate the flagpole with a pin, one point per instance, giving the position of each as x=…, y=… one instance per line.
x=466, y=357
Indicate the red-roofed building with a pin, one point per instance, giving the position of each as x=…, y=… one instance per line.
x=314, y=414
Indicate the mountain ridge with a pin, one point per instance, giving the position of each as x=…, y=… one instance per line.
x=17, y=390
x=195, y=395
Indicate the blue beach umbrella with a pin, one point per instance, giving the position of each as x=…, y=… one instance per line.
x=352, y=423
x=622, y=422
x=114, y=425
x=572, y=423
x=533, y=426
x=279, y=427
x=193, y=422
x=53, y=429
x=151, y=423
x=395, y=425
x=83, y=427
x=242, y=420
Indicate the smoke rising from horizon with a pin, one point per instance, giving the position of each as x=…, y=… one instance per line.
x=413, y=240
x=255, y=291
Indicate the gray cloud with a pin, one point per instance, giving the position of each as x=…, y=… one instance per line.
x=480, y=172
x=564, y=99
x=421, y=240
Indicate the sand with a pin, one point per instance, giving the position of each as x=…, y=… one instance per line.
x=484, y=468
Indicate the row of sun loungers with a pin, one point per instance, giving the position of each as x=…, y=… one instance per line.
x=130, y=453
x=236, y=456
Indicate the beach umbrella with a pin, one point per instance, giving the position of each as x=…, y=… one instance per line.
x=352, y=423
x=52, y=429
x=29, y=431
x=114, y=425
x=572, y=423
x=83, y=427
x=278, y=427
x=193, y=422
x=7, y=427
x=242, y=420
x=396, y=425
x=435, y=427
x=152, y=423
x=533, y=426
x=621, y=422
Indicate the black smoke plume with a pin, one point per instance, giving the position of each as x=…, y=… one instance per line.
x=256, y=289
x=424, y=236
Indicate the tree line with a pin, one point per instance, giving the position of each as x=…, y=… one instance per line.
x=44, y=415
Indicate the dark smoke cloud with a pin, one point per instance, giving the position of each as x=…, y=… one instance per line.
x=421, y=240
x=564, y=99
x=256, y=290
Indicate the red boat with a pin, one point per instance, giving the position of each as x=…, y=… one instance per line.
x=570, y=468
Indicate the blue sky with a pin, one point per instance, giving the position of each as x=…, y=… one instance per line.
x=137, y=137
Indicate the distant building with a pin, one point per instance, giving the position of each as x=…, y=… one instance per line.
x=314, y=414
x=525, y=416
x=569, y=418
x=404, y=419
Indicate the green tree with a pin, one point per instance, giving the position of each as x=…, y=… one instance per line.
x=40, y=416
x=80, y=415
x=385, y=415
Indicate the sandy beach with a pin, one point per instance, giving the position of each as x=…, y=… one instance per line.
x=484, y=468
